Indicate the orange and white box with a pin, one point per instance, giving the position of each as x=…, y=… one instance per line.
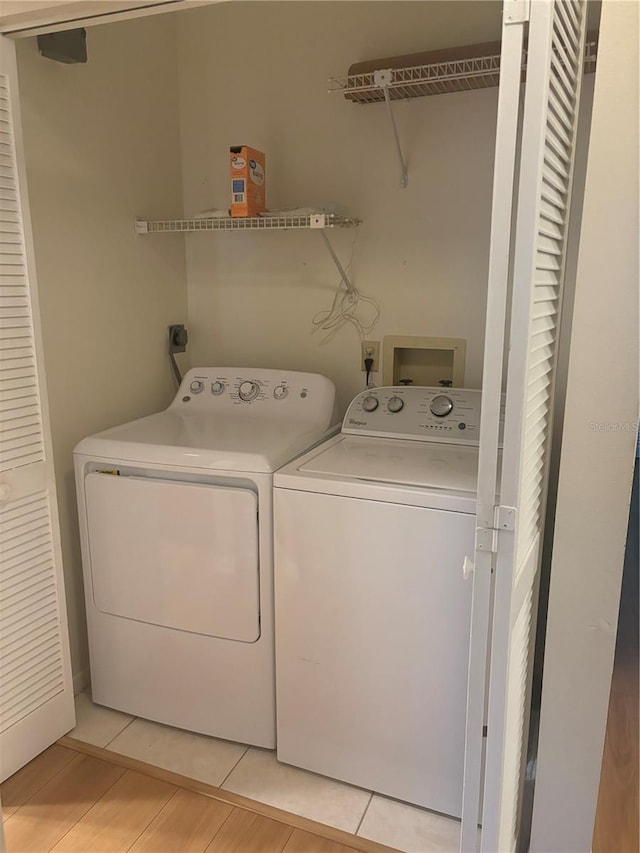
x=248, y=186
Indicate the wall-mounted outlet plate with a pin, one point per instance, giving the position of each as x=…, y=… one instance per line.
x=371, y=349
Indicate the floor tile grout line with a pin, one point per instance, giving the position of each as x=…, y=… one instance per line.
x=253, y=807
x=221, y=785
x=109, y=742
x=246, y=750
x=117, y=735
x=299, y=814
x=235, y=765
x=364, y=813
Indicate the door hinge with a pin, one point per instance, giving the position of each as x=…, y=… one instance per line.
x=504, y=518
x=516, y=11
x=486, y=539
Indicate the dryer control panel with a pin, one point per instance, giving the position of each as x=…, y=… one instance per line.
x=449, y=415
x=276, y=394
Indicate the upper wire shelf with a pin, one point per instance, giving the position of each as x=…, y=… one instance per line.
x=249, y=223
x=438, y=78
x=435, y=79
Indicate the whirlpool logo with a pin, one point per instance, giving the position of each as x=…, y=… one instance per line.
x=354, y=422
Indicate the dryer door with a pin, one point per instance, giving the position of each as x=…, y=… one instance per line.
x=175, y=554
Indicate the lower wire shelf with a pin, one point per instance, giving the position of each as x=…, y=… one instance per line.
x=249, y=223
x=319, y=222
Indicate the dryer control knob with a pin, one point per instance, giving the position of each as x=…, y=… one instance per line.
x=441, y=406
x=370, y=403
x=217, y=387
x=280, y=392
x=395, y=404
x=196, y=386
x=248, y=390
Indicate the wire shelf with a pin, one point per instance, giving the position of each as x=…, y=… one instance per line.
x=438, y=78
x=252, y=223
x=590, y=56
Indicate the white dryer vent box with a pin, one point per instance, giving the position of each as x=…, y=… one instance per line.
x=424, y=361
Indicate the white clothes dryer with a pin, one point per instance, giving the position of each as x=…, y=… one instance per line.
x=372, y=609
x=176, y=526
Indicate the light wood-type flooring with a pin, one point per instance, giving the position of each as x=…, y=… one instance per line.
x=618, y=814
x=84, y=799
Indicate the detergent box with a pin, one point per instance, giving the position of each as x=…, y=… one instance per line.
x=248, y=189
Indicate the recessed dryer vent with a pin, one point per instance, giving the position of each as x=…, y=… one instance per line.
x=413, y=360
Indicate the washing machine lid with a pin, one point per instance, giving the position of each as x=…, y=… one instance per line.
x=399, y=462
x=203, y=440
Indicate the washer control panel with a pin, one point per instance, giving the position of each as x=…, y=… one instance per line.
x=255, y=391
x=425, y=414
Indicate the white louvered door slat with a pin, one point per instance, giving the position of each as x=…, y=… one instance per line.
x=568, y=32
x=36, y=696
x=512, y=551
x=566, y=57
x=562, y=96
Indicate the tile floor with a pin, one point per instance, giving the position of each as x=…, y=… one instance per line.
x=256, y=773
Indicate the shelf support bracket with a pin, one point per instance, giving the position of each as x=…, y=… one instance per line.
x=336, y=260
x=383, y=79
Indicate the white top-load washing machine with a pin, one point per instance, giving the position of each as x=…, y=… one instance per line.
x=176, y=527
x=372, y=610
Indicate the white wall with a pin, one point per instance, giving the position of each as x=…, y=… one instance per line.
x=256, y=73
x=597, y=461
x=102, y=145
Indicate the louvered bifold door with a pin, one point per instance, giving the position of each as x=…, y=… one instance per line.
x=552, y=93
x=507, y=127
x=36, y=697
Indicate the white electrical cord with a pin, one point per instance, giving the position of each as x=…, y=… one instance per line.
x=344, y=309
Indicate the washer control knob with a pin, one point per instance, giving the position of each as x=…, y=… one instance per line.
x=217, y=387
x=196, y=386
x=280, y=392
x=370, y=403
x=441, y=406
x=395, y=404
x=248, y=390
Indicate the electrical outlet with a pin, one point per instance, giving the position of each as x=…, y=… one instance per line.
x=371, y=349
x=178, y=338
